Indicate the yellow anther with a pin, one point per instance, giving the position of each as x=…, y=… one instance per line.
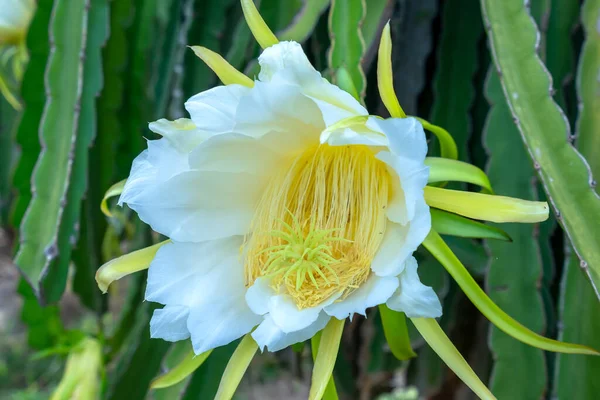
x=317, y=226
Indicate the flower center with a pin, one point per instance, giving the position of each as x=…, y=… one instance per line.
x=319, y=224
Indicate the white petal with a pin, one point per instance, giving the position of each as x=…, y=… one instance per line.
x=258, y=296
x=279, y=107
x=182, y=133
x=187, y=273
x=170, y=323
x=268, y=334
x=208, y=278
x=406, y=136
x=232, y=152
x=376, y=290
x=409, y=179
x=15, y=17
x=220, y=322
x=153, y=166
x=206, y=194
x=286, y=58
x=414, y=298
x=289, y=318
x=286, y=62
x=214, y=110
x=400, y=241
x=334, y=103
x=198, y=205
x=164, y=158
x=406, y=161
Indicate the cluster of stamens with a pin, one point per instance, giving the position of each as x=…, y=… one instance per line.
x=302, y=256
x=319, y=224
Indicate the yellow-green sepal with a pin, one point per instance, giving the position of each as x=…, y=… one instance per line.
x=83, y=372
x=440, y=250
x=227, y=74
x=441, y=344
x=187, y=366
x=326, y=356
x=446, y=169
x=396, y=333
x=236, y=368
x=135, y=261
x=112, y=191
x=261, y=32
x=446, y=223
x=486, y=207
x=330, y=390
x=385, y=75
x=448, y=147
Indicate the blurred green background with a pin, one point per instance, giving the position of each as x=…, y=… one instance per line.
x=131, y=66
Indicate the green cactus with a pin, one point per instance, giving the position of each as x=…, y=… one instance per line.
x=543, y=126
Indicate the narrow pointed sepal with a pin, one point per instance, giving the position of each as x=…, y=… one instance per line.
x=445, y=169
x=82, y=375
x=396, y=333
x=448, y=147
x=440, y=250
x=225, y=71
x=9, y=94
x=446, y=223
x=441, y=344
x=263, y=35
x=330, y=390
x=486, y=207
x=326, y=356
x=187, y=366
x=135, y=261
x=385, y=76
x=236, y=368
x=112, y=191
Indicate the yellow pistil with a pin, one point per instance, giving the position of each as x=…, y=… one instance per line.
x=319, y=224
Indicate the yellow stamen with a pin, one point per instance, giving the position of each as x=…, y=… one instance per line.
x=319, y=223
x=225, y=71
x=263, y=35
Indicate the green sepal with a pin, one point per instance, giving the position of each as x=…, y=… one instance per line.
x=448, y=147
x=396, y=333
x=327, y=350
x=186, y=367
x=440, y=250
x=446, y=223
x=446, y=169
x=330, y=390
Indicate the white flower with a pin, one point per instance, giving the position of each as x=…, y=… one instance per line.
x=284, y=210
x=15, y=16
